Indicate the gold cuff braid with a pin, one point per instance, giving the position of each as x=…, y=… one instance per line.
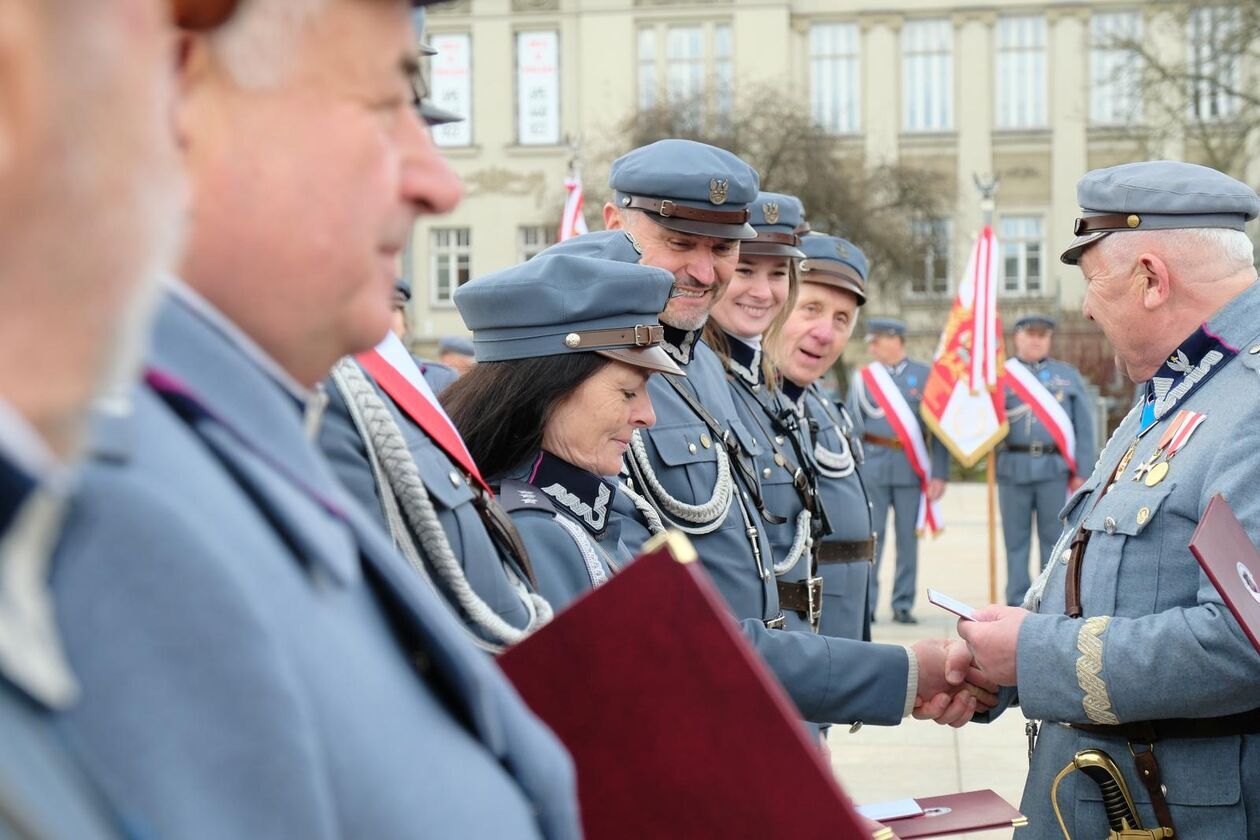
x=1089, y=667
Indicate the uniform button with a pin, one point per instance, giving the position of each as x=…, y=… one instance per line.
x=756, y=389
x=691, y=447
x=766, y=472
x=706, y=441
x=1254, y=349
x=455, y=479
x=1065, y=556
x=1109, y=525
x=778, y=439
x=857, y=724
x=1143, y=515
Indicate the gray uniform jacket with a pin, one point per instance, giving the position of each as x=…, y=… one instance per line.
x=438, y=375
x=837, y=455
x=776, y=465
x=831, y=680
x=256, y=660
x=1064, y=383
x=1155, y=641
x=883, y=465
x=494, y=577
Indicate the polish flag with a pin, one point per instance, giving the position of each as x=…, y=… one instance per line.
x=572, y=223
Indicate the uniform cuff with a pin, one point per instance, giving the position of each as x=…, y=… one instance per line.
x=912, y=682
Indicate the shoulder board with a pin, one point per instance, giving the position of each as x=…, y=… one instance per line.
x=519, y=495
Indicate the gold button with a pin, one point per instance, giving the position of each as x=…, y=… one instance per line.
x=1143, y=515
x=706, y=441
x=691, y=447
x=766, y=472
x=1134, y=220
x=572, y=340
x=455, y=479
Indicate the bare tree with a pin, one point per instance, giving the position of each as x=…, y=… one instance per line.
x=872, y=206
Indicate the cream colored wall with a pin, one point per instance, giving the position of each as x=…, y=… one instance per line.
x=508, y=185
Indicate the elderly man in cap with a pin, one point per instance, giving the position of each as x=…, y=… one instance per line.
x=683, y=206
x=1123, y=645
x=88, y=153
x=1049, y=447
x=833, y=286
x=891, y=479
x=285, y=672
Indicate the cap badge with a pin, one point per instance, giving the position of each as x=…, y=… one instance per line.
x=718, y=188
x=771, y=209
x=842, y=251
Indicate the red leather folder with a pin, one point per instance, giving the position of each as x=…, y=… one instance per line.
x=676, y=726
x=1227, y=555
x=957, y=813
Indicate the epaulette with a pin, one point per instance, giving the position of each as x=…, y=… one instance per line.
x=519, y=495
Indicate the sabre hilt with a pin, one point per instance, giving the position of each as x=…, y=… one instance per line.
x=1117, y=802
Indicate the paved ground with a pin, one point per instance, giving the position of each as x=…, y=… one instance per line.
x=920, y=758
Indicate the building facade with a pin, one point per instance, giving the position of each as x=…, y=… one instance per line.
x=1035, y=93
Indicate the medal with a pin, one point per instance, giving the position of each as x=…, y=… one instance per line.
x=1156, y=474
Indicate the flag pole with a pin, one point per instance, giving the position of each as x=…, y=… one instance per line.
x=988, y=187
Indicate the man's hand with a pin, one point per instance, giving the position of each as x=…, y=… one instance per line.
x=945, y=693
x=1074, y=483
x=936, y=489
x=993, y=638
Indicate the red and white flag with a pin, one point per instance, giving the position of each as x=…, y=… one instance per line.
x=1046, y=409
x=963, y=403
x=880, y=385
x=572, y=223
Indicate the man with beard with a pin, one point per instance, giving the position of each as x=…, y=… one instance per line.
x=683, y=206
x=284, y=672
x=83, y=124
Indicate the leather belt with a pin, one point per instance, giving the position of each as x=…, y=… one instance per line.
x=776, y=623
x=1036, y=448
x=854, y=551
x=880, y=440
x=1243, y=723
x=778, y=238
x=640, y=335
x=803, y=598
x=669, y=209
x=1107, y=221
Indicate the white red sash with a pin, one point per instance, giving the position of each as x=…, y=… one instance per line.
x=906, y=426
x=1046, y=408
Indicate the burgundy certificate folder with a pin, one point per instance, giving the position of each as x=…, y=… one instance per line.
x=957, y=813
x=1227, y=555
x=676, y=726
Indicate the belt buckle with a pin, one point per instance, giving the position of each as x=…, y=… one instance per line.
x=814, y=590
x=1036, y=448
x=667, y=208
x=777, y=623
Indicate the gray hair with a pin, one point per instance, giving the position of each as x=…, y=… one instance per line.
x=1232, y=248
x=257, y=45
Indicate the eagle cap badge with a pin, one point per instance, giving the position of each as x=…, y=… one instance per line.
x=771, y=209
x=718, y=188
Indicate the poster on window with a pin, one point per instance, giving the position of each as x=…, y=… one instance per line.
x=538, y=88
x=451, y=86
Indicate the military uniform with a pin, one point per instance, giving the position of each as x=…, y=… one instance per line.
x=285, y=673
x=847, y=552
x=694, y=467
x=1032, y=474
x=1141, y=649
x=889, y=479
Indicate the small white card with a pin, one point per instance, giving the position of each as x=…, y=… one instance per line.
x=953, y=605
x=898, y=809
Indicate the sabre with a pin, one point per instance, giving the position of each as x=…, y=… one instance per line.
x=1122, y=815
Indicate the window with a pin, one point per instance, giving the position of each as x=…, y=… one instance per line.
x=538, y=88
x=451, y=261
x=452, y=86
x=1214, y=58
x=1114, y=71
x=834, y=76
x=1022, y=250
x=647, y=69
x=532, y=239
x=678, y=63
x=927, y=86
x=935, y=237
x=1021, y=72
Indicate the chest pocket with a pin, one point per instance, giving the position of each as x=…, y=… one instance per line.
x=684, y=466
x=445, y=483
x=1121, y=566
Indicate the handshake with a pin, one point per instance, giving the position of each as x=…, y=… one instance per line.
x=960, y=677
